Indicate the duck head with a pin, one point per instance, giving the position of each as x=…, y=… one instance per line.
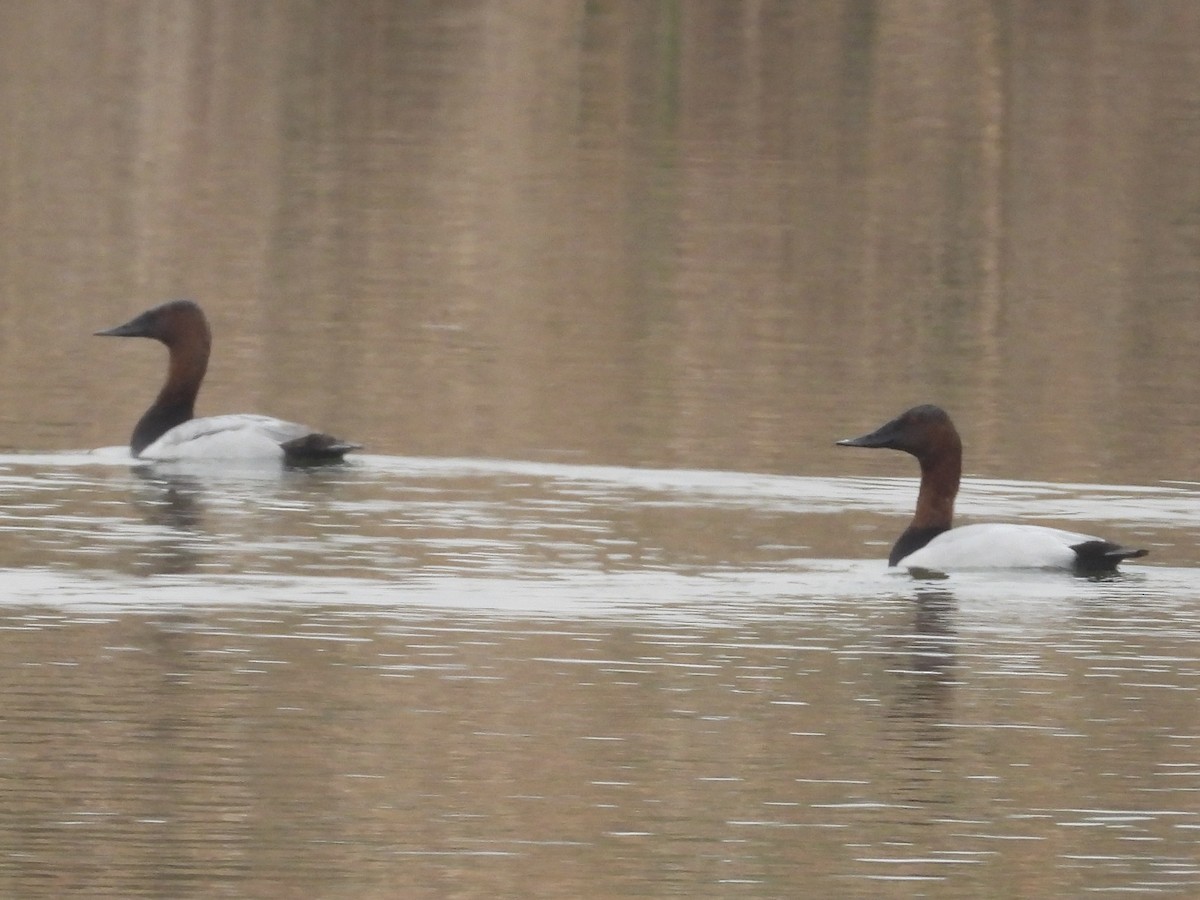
x=924, y=431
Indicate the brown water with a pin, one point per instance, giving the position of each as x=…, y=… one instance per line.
x=601, y=611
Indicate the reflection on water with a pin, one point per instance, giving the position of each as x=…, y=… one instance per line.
x=919, y=703
x=173, y=507
x=490, y=677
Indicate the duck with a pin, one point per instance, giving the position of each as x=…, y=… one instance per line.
x=931, y=544
x=169, y=431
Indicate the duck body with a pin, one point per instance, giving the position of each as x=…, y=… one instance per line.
x=244, y=436
x=930, y=543
x=169, y=431
x=1013, y=546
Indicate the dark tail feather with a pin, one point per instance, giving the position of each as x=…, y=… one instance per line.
x=1102, y=556
x=316, y=448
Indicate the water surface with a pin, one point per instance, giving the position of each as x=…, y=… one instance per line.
x=486, y=677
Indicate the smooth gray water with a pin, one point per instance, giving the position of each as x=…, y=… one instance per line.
x=601, y=611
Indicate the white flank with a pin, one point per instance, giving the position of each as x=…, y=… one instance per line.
x=238, y=436
x=998, y=546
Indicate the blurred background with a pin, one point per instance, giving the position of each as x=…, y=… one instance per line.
x=601, y=610
x=702, y=234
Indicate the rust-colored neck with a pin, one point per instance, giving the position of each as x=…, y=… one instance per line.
x=185, y=372
x=940, y=476
x=176, y=401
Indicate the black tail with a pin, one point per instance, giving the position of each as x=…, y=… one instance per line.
x=314, y=449
x=1102, y=556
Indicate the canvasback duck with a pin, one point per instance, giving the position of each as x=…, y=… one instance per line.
x=168, y=431
x=930, y=544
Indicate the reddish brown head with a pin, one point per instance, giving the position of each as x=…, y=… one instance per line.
x=181, y=325
x=928, y=434
x=924, y=431
x=175, y=323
